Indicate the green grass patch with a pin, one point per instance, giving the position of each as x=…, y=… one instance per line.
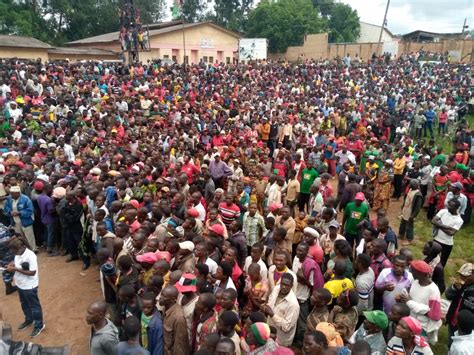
x=463, y=250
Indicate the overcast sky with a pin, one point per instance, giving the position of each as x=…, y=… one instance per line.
x=409, y=15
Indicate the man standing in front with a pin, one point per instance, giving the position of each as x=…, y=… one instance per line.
x=353, y=219
x=175, y=331
x=25, y=267
x=283, y=310
x=20, y=208
x=410, y=209
x=104, y=335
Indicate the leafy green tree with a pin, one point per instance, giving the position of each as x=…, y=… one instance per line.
x=284, y=23
x=343, y=21
x=324, y=6
x=344, y=25
x=231, y=14
x=23, y=19
x=192, y=10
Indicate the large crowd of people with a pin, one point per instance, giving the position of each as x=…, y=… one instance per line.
x=243, y=209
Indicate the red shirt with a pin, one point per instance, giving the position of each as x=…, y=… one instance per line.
x=454, y=176
x=236, y=272
x=190, y=169
x=134, y=226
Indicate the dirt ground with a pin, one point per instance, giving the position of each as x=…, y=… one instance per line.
x=64, y=295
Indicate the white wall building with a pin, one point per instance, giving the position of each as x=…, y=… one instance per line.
x=369, y=33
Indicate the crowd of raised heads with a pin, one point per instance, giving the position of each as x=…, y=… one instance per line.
x=265, y=208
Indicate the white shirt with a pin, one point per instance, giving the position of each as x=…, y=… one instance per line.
x=453, y=221
x=285, y=318
x=23, y=281
x=261, y=263
x=69, y=153
x=462, y=344
x=202, y=211
x=303, y=292
x=212, y=265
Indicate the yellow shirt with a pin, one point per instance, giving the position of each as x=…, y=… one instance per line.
x=399, y=165
x=338, y=286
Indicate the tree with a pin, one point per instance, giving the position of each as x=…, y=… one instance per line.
x=231, y=14
x=151, y=11
x=344, y=25
x=284, y=22
x=22, y=19
x=343, y=21
x=324, y=6
x=192, y=10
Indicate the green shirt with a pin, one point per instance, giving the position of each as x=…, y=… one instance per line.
x=307, y=178
x=144, y=335
x=4, y=127
x=354, y=215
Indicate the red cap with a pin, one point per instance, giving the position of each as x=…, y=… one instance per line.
x=147, y=258
x=135, y=204
x=38, y=185
x=274, y=206
x=421, y=266
x=192, y=212
x=187, y=283
x=217, y=228
x=360, y=196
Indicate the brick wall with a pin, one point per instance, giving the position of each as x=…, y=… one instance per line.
x=316, y=46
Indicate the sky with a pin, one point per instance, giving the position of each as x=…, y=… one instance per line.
x=405, y=16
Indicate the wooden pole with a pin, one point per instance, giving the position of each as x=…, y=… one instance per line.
x=382, y=28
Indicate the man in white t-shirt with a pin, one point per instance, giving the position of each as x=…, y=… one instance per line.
x=447, y=222
x=25, y=267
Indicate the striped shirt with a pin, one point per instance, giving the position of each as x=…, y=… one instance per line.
x=229, y=213
x=364, y=285
x=395, y=347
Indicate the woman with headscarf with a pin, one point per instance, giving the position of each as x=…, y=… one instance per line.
x=383, y=186
x=333, y=338
x=258, y=338
x=408, y=339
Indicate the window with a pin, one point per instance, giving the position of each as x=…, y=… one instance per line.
x=211, y=60
x=166, y=56
x=204, y=59
x=227, y=60
x=174, y=59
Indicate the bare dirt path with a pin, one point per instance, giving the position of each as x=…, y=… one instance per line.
x=64, y=296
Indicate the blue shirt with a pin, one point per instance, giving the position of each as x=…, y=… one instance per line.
x=124, y=348
x=430, y=115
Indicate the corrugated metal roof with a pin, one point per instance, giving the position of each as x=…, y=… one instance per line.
x=72, y=50
x=113, y=36
x=23, y=42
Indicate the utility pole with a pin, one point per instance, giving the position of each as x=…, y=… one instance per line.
x=184, y=37
x=383, y=27
x=464, y=27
